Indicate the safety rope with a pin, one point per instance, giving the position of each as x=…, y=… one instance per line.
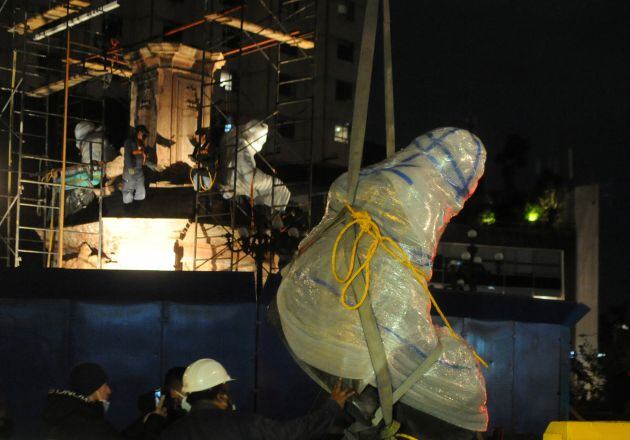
x=50, y=176
x=51, y=231
x=367, y=226
x=213, y=179
x=251, y=200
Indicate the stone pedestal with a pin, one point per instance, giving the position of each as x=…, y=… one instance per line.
x=151, y=244
x=166, y=96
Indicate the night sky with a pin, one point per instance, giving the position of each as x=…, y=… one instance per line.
x=555, y=73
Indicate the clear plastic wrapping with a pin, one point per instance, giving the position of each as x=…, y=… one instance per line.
x=411, y=196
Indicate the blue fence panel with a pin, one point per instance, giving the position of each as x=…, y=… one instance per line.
x=33, y=357
x=125, y=340
x=494, y=341
x=536, y=376
x=284, y=389
x=138, y=333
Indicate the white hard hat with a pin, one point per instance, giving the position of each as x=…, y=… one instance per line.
x=203, y=375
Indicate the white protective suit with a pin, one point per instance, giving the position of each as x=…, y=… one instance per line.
x=411, y=196
x=92, y=143
x=251, y=139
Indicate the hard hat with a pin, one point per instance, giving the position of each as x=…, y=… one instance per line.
x=82, y=129
x=204, y=374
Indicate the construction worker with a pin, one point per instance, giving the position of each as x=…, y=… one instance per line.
x=172, y=390
x=213, y=416
x=206, y=157
x=78, y=412
x=136, y=151
x=167, y=398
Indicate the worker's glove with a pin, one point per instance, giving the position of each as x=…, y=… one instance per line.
x=131, y=171
x=340, y=395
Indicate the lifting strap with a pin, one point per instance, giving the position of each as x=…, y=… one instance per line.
x=357, y=138
x=412, y=379
x=390, y=130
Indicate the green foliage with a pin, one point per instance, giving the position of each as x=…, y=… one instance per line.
x=533, y=212
x=587, y=376
x=488, y=217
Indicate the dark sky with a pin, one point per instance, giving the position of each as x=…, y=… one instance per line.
x=554, y=72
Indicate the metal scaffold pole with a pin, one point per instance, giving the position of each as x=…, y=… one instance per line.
x=37, y=178
x=10, y=158
x=62, y=192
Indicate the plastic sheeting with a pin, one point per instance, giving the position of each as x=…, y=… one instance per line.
x=250, y=181
x=412, y=196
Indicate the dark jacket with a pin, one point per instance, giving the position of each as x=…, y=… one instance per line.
x=145, y=428
x=207, y=423
x=72, y=416
x=205, y=154
x=151, y=428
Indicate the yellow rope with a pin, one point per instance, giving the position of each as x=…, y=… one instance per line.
x=200, y=180
x=50, y=176
x=406, y=436
x=367, y=226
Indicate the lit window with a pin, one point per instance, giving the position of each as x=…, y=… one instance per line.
x=342, y=133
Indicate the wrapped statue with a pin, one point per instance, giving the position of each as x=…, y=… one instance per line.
x=82, y=180
x=246, y=141
x=410, y=197
x=92, y=143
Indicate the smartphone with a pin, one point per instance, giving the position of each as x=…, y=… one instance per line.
x=157, y=393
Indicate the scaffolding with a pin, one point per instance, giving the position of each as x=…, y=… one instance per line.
x=38, y=132
x=49, y=86
x=291, y=29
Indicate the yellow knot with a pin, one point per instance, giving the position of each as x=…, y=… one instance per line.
x=368, y=227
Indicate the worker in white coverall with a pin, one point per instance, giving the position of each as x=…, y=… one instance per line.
x=136, y=151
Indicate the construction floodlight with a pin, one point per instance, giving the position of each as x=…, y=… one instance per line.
x=85, y=16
